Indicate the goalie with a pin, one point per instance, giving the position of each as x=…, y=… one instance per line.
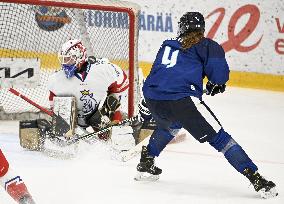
x=100, y=90
x=99, y=87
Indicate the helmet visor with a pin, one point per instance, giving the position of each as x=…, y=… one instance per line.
x=66, y=59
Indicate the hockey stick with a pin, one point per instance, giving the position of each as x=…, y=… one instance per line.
x=16, y=93
x=64, y=126
x=129, y=121
x=123, y=156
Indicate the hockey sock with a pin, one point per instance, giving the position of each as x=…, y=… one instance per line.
x=158, y=141
x=4, y=165
x=233, y=152
x=14, y=186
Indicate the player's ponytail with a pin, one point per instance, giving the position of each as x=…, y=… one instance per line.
x=191, y=39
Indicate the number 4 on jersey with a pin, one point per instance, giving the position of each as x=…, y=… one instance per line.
x=168, y=60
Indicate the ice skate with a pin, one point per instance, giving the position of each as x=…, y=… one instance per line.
x=147, y=171
x=26, y=200
x=267, y=189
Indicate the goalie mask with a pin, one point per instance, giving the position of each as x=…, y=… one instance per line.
x=72, y=56
x=190, y=22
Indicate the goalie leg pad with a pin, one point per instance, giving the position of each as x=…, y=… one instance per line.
x=30, y=135
x=122, y=138
x=144, y=133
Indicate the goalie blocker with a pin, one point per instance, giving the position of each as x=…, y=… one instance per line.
x=33, y=133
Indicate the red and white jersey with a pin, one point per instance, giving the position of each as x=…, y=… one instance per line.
x=90, y=87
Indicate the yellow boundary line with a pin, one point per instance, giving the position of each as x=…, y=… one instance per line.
x=237, y=78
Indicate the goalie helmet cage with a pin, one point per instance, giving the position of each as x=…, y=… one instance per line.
x=36, y=29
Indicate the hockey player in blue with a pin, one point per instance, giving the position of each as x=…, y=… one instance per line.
x=173, y=93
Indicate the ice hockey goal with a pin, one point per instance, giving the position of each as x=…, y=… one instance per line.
x=32, y=32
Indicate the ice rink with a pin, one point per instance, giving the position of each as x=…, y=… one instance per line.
x=192, y=172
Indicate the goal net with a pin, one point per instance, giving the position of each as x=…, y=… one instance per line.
x=32, y=32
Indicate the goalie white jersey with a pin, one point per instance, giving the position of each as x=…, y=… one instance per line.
x=91, y=85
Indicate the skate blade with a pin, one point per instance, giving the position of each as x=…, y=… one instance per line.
x=26, y=200
x=268, y=194
x=144, y=176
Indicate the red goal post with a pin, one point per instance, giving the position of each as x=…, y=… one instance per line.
x=32, y=32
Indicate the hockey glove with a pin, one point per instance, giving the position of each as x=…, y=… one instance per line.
x=213, y=89
x=100, y=121
x=144, y=112
x=102, y=117
x=111, y=105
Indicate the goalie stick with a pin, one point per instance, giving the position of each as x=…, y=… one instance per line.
x=123, y=156
x=16, y=93
x=65, y=126
x=94, y=135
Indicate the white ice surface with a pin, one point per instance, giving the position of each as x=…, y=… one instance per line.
x=192, y=172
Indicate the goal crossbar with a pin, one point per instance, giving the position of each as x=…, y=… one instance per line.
x=132, y=11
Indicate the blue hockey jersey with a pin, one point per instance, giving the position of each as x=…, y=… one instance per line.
x=177, y=73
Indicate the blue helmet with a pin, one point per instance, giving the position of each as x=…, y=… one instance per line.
x=191, y=22
x=72, y=56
